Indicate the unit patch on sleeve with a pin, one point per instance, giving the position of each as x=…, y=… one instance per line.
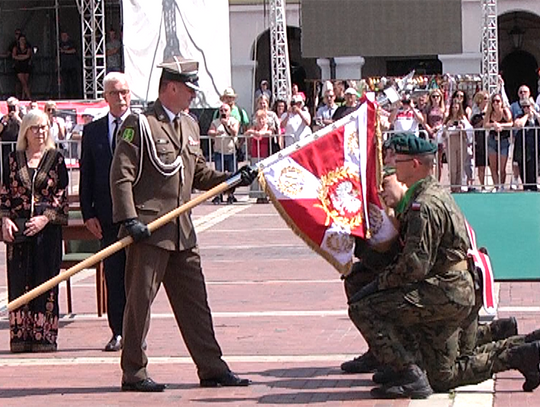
x=128, y=134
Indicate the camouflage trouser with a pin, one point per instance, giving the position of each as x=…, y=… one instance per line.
x=471, y=333
x=432, y=319
x=487, y=360
x=357, y=279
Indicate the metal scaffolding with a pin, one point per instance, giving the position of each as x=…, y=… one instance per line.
x=490, y=47
x=93, y=46
x=279, y=51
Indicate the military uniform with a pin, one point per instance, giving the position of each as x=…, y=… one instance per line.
x=152, y=174
x=429, y=289
x=430, y=292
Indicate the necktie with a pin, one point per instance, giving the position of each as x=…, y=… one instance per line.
x=176, y=124
x=117, y=123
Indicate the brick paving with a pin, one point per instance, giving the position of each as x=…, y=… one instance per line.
x=280, y=317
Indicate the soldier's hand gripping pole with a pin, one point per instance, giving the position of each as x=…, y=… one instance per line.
x=236, y=179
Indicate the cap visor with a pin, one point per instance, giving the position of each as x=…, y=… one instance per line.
x=193, y=85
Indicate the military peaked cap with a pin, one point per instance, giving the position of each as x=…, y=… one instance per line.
x=181, y=70
x=410, y=144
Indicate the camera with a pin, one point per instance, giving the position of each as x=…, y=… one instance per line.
x=456, y=122
x=223, y=115
x=12, y=108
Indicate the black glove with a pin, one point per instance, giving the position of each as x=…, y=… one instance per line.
x=364, y=292
x=136, y=229
x=247, y=174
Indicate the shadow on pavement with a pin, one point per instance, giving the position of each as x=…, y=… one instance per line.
x=301, y=398
x=319, y=383
x=41, y=391
x=302, y=372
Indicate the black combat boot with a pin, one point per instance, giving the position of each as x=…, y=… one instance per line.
x=533, y=336
x=411, y=383
x=385, y=375
x=365, y=363
x=503, y=328
x=526, y=358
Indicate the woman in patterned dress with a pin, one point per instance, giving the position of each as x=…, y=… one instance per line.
x=33, y=207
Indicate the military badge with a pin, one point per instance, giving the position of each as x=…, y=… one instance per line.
x=192, y=141
x=415, y=206
x=128, y=135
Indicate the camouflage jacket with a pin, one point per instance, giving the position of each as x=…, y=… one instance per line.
x=434, y=243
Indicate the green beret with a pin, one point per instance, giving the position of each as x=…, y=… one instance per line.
x=388, y=170
x=410, y=144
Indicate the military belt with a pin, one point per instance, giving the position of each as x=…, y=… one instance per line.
x=462, y=265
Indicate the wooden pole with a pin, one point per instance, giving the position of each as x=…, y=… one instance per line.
x=124, y=242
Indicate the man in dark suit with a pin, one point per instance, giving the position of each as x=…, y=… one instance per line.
x=98, y=144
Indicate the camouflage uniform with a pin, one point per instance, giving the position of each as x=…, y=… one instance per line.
x=428, y=290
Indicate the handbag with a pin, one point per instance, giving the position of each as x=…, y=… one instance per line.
x=19, y=236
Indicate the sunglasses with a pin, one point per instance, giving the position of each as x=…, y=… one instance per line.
x=403, y=160
x=436, y=96
x=37, y=129
x=497, y=100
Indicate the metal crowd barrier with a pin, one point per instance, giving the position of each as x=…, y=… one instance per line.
x=476, y=159
x=224, y=156
x=480, y=159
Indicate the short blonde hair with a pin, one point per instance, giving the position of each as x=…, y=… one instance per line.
x=33, y=118
x=481, y=94
x=49, y=104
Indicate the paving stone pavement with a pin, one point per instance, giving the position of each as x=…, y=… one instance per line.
x=279, y=314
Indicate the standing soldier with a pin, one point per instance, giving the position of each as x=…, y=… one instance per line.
x=157, y=163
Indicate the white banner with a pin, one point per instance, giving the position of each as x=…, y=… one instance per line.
x=195, y=29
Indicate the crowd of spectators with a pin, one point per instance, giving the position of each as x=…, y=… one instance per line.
x=472, y=134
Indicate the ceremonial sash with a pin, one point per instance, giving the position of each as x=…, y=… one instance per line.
x=482, y=263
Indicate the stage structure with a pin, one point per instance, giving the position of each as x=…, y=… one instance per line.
x=490, y=47
x=93, y=46
x=281, y=74
x=197, y=29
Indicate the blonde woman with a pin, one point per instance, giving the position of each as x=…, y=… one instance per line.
x=434, y=113
x=498, y=120
x=459, y=137
x=33, y=207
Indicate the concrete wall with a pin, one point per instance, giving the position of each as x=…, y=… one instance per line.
x=247, y=23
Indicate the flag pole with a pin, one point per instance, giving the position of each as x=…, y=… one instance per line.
x=119, y=245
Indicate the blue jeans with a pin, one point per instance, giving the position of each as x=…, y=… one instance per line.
x=224, y=162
